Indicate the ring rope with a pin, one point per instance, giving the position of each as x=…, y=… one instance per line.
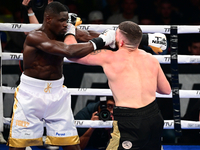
x=163, y=59
x=168, y=124
x=20, y=27
x=107, y=92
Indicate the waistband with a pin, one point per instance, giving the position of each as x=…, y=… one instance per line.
x=134, y=112
x=41, y=86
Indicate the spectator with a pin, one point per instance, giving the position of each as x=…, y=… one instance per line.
x=91, y=138
x=189, y=44
x=112, y=8
x=167, y=15
x=194, y=45
x=95, y=17
x=191, y=11
x=146, y=19
x=128, y=13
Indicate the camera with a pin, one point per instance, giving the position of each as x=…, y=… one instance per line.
x=104, y=113
x=38, y=4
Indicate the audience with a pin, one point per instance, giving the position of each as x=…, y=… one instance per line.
x=112, y=8
x=167, y=15
x=95, y=17
x=129, y=13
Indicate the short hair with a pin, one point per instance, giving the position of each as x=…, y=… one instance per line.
x=55, y=8
x=110, y=98
x=132, y=32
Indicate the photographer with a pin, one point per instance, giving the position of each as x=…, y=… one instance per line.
x=91, y=138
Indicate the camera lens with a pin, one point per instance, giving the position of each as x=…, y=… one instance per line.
x=104, y=115
x=39, y=3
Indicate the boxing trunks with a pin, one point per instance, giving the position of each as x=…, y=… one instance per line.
x=38, y=103
x=137, y=129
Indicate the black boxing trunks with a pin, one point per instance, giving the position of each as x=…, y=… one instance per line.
x=137, y=129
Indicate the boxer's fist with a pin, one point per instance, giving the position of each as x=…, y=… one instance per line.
x=71, y=29
x=106, y=38
x=74, y=19
x=157, y=42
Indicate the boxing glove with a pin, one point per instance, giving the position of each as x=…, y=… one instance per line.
x=157, y=42
x=106, y=38
x=72, y=22
x=74, y=19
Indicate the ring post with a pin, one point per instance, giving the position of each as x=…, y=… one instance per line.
x=1, y=93
x=175, y=80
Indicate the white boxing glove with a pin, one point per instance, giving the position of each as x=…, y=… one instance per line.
x=74, y=19
x=106, y=38
x=71, y=29
x=157, y=42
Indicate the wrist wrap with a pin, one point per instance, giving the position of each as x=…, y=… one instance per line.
x=99, y=42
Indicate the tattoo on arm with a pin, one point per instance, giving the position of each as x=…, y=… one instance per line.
x=98, y=51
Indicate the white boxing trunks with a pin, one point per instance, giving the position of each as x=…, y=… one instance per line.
x=38, y=103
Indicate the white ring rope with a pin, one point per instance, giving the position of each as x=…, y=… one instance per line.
x=163, y=59
x=107, y=92
x=19, y=27
x=168, y=124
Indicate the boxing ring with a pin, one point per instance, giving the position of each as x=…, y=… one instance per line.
x=173, y=59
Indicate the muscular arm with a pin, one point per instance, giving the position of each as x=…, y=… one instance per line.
x=163, y=86
x=84, y=36
x=40, y=41
x=96, y=58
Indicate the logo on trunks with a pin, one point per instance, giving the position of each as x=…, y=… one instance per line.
x=126, y=144
x=48, y=88
x=22, y=123
x=60, y=134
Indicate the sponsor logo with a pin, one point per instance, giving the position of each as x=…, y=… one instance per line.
x=16, y=26
x=159, y=40
x=48, y=88
x=168, y=124
x=63, y=134
x=167, y=30
x=126, y=144
x=167, y=59
x=82, y=89
x=60, y=134
x=84, y=27
x=78, y=122
x=22, y=123
x=15, y=56
x=194, y=60
x=115, y=28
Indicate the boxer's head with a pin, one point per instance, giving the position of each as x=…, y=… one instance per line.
x=55, y=18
